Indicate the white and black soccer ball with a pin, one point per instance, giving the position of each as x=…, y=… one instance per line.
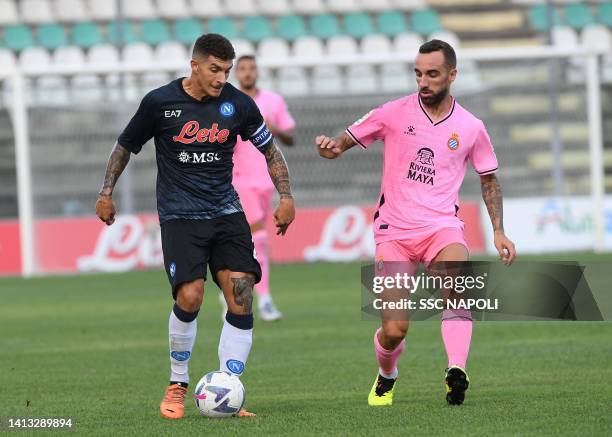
x=219, y=394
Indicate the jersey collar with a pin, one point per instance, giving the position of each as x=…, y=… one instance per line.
x=450, y=112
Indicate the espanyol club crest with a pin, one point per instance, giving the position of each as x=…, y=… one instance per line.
x=227, y=109
x=453, y=141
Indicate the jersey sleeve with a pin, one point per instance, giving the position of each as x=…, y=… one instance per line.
x=482, y=156
x=283, y=119
x=369, y=128
x=141, y=127
x=254, y=128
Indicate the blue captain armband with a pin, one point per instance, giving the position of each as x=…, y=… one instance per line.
x=261, y=137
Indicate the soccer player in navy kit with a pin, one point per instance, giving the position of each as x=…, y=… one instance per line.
x=195, y=122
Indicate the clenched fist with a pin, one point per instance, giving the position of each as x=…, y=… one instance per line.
x=105, y=209
x=327, y=147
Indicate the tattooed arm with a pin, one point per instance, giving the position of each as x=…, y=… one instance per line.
x=492, y=196
x=277, y=167
x=105, y=207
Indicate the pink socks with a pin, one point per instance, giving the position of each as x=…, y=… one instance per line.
x=260, y=239
x=387, y=360
x=457, y=335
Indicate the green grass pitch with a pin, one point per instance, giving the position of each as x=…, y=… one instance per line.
x=94, y=348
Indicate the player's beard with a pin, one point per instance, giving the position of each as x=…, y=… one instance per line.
x=435, y=99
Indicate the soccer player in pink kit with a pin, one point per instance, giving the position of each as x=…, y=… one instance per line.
x=251, y=179
x=428, y=140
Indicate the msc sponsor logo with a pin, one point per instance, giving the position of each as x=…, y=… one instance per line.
x=235, y=366
x=198, y=158
x=191, y=133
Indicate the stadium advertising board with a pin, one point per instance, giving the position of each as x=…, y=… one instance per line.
x=543, y=224
x=134, y=241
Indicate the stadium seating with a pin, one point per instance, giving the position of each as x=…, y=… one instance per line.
x=224, y=26
x=174, y=9
x=18, y=37
x=243, y=47
x=138, y=9
x=206, y=8
x=102, y=10
x=310, y=7
x=577, y=16
x=86, y=34
x=343, y=6
x=391, y=23
x=154, y=32
x=7, y=58
x=51, y=36
x=604, y=14
x=274, y=7
x=35, y=11
x=324, y=26
x=308, y=47
x=8, y=12
x=274, y=49
x=122, y=32
x=187, y=30
x=171, y=51
x=597, y=36
x=327, y=80
x=407, y=43
x=375, y=44
x=70, y=11
x=425, y=21
x=409, y=5
x=376, y=5
x=396, y=78
x=538, y=17
x=361, y=79
x=341, y=46
x=292, y=81
x=291, y=27
x=358, y=25
x=241, y=8
x=256, y=28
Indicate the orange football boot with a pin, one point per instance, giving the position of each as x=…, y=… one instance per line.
x=173, y=403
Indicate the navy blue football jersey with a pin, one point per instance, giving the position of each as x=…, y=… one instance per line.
x=194, y=145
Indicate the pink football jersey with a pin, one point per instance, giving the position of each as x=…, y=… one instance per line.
x=424, y=164
x=250, y=168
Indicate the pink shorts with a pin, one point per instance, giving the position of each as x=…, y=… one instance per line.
x=256, y=203
x=420, y=247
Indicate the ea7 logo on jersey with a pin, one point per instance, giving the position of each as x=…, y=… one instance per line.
x=176, y=113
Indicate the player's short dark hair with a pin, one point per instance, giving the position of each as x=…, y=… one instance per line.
x=436, y=45
x=245, y=58
x=213, y=44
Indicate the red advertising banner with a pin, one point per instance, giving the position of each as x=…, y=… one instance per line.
x=134, y=242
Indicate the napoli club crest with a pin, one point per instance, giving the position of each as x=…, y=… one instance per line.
x=453, y=141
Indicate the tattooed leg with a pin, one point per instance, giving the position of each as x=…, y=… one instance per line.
x=243, y=293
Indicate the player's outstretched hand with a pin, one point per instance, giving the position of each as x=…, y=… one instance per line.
x=105, y=209
x=504, y=247
x=327, y=147
x=284, y=215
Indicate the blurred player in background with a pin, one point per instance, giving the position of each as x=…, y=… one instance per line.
x=251, y=178
x=195, y=122
x=429, y=138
